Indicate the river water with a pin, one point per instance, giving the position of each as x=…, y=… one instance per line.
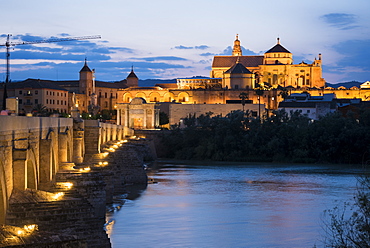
x=232, y=205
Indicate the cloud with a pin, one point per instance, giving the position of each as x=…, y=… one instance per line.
x=169, y=58
x=229, y=51
x=207, y=54
x=354, y=63
x=340, y=20
x=201, y=47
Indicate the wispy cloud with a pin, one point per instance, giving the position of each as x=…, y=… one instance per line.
x=354, y=63
x=201, y=47
x=341, y=21
x=158, y=58
x=229, y=50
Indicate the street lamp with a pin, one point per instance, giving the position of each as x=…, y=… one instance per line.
x=243, y=96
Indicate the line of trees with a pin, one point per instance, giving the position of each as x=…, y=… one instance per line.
x=282, y=137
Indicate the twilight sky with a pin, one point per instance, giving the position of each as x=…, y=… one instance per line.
x=172, y=39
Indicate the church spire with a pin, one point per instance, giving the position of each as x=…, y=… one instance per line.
x=237, y=51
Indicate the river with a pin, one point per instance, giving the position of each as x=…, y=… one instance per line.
x=231, y=205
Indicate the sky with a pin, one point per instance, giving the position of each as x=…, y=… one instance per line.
x=166, y=39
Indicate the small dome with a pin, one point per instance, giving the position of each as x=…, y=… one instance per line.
x=138, y=101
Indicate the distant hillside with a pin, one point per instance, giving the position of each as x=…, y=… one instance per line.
x=345, y=84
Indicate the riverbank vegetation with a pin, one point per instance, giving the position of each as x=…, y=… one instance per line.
x=282, y=137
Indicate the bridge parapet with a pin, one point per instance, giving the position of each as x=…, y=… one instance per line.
x=33, y=149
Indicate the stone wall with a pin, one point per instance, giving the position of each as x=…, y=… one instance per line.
x=59, y=174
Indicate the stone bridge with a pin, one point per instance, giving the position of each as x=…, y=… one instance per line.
x=34, y=149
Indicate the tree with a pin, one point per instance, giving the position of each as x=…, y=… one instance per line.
x=163, y=118
x=40, y=110
x=350, y=226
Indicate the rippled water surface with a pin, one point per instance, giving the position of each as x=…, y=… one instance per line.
x=254, y=205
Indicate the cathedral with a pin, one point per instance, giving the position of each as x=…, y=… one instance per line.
x=274, y=68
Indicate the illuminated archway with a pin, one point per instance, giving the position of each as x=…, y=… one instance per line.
x=183, y=97
x=31, y=175
x=154, y=97
x=168, y=97
x=141, y=95
x=127, y=97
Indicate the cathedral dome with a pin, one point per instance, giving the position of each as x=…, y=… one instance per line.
x=278, y=48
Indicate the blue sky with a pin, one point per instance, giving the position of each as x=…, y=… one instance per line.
x=166, y=39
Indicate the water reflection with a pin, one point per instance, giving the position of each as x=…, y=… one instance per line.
x=231, y=206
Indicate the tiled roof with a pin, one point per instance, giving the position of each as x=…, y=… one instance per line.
x=168, y=85
x=238, y=68
x=132, y=75
x=34, y=84
x=117, y=85
x=85, y=68
x=278, y=49
x=229, y=61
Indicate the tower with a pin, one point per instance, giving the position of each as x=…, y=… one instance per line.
x=278, y=55
x=237, y=51
x=132, y=79
x=86, y=80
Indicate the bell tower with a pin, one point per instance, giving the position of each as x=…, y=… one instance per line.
x=132, y=79
x=237, y=51
x=86, y=80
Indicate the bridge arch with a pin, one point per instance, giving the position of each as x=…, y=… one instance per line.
x=3, y=194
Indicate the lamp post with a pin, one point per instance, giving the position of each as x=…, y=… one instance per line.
x=243, y=96
x=259, y=93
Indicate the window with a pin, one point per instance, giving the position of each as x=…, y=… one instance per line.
x=106, y=95
x=58, y=102
x=106, y=103
x=57, y=93
x=36, y=101
x=20, y=92
x=47, y=101
x=20, y=101
x=236, y=86
x=65, y=102
x=36, y=92
x=308, y=111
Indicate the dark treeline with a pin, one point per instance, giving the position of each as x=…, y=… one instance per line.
x=281, y=138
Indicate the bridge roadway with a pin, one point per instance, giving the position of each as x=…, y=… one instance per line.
x=32, y=149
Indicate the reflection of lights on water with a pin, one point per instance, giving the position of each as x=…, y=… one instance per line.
x=109, y=226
